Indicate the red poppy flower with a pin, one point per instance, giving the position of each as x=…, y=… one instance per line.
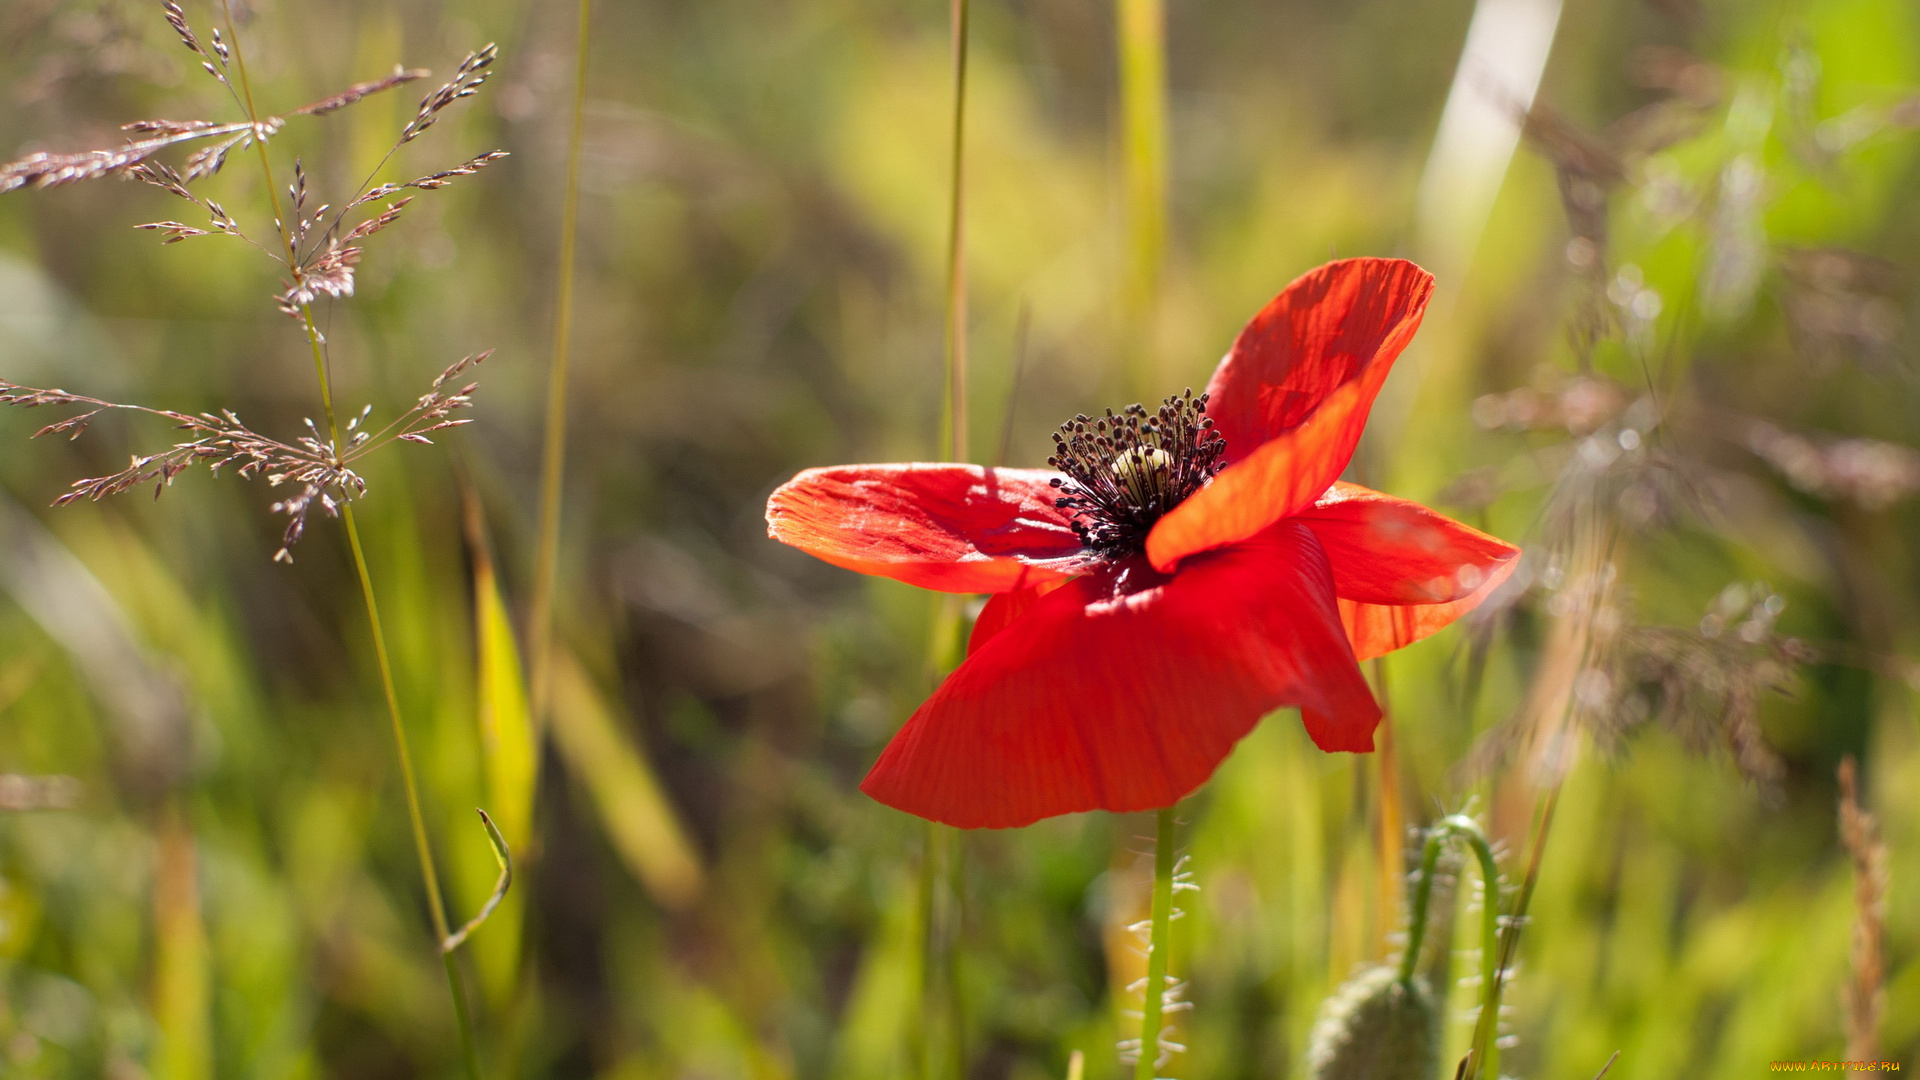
x=1176, y=576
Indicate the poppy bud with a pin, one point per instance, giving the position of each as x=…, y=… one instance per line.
x=1376, y=1027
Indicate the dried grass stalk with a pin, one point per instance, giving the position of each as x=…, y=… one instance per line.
x=177, y=19
x=1864, y=996
x=321, y=469
x=44, y=170
x=441, y=179
x=53, y=170
x=432, y=181
x=174, y=230
x=474, y=71
x=319, y=267
x=400, y=77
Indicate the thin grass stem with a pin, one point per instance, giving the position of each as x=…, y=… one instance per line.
x=423, y=847
x=922, y=1038
x=954, y=919
x=1143, y=150
x=1022, y=326
x=942, y=1049
x=245, y=98
x=1391, y=836
x=1154, y=996
x=321, y=372
x=436, y=907
x=553, y=460
x=956, y=351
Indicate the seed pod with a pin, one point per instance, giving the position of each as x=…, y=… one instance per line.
x=1376, y=1027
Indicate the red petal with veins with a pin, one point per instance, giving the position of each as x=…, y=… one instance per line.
x=1402, y=571
x=1292, y=398
x=1387, y=550
x=1378, y=629
x=1328, y=327
x=1123, y=689
x=954, y=528
x=1002, y=609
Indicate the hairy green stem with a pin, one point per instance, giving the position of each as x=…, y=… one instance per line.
x=553, y=459
x=1422, y=900
x=1153, y=998
x=1486, y=1032
x=1459, y=826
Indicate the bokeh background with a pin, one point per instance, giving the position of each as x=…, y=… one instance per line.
x=1673, y=353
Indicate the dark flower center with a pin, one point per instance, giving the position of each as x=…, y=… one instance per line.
x=1125, y=472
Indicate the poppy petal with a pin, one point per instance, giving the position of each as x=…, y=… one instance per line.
x=1123, y=689
x=1387, y=550
x=1292, y=398
x=1378, y=629
x=1330, y=326
x=954, y=528
x=1402, y=571
x=1002, y=609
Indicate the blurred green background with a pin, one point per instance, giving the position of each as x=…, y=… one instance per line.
x=1673, y=353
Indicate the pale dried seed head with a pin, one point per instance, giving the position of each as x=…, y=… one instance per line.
x=472, y=74
x=358, y=91
x=321, y=470
x=53, y=170
x=324, y=472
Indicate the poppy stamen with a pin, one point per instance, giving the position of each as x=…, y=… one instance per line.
x=1125, y=472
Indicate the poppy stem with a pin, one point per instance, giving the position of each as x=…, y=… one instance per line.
x=1485, y=1056
x=1153, y=998
x=1461, y=827
x=1392, y=818
x=1486, y=1033
x=942, y=1048
x=1422, y=900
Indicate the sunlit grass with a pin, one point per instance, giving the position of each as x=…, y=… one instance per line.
x=762, y=266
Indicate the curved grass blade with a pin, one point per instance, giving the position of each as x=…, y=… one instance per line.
x=459, y=937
